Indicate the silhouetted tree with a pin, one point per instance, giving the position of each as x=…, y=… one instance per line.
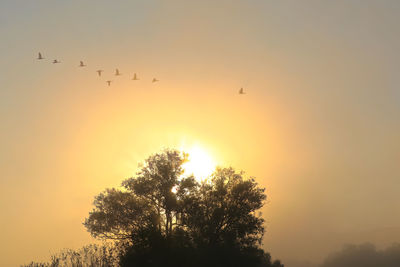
x=164, y=218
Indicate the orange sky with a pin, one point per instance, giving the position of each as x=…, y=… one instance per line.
x=319, y=125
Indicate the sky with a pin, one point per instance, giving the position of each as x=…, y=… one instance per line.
x=318, y=126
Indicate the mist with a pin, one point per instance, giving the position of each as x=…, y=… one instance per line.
x=364, y=255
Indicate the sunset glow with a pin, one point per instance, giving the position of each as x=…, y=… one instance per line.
x=200, y=163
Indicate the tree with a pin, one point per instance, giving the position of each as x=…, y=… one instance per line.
x=165, y=218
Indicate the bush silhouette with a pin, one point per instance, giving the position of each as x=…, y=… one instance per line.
x=93, y=255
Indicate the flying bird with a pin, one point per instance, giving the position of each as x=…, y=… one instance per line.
x=99, y=72
x=108, y=82
x=241, y=92
x=82, y=64
x=154, y=80
x=117, y=73
x=55, y=61
x=40, y=56
x=135, y=78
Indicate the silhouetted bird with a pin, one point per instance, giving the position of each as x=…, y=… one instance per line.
x=55, y=61
x=99, y=72
x=82, y=64
x=40, y=56
x=135, y=78
x=117, y=73
x=241, y=92
x=154, y=80
x=108, y=82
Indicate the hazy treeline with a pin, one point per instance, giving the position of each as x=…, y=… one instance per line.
x=365, y=255
x=108, y=255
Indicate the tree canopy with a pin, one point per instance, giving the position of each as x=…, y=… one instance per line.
x=166, y=218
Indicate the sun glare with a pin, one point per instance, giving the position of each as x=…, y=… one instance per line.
x=200, y=163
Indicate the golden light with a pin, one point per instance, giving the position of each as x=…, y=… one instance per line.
x=200, y=163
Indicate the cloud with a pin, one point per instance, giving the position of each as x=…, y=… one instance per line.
x=365, y=255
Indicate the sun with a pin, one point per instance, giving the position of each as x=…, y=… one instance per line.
x=199, y=163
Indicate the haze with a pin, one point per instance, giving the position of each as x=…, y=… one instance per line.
x=318, y=126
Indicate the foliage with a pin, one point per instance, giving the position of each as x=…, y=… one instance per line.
x=165, y=218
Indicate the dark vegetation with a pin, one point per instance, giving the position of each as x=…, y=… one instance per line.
x=104, y=255
x=163, y=218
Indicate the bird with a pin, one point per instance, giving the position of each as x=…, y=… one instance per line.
x=108, y=82
x=154, y=80
x=241, y=92
x=40, y=56
x=117, y=73
x=99, y=72
x=55, y=61
x=135, y=78
x=82, y=64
